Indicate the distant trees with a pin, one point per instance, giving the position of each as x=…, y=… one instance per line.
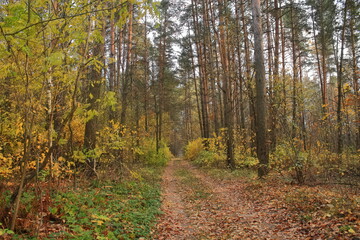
x=303, y=48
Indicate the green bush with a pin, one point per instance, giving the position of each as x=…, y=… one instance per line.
x=209, y=159
x=246, y=161
x=150, y=156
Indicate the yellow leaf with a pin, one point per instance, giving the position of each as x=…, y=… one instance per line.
x=98, y=222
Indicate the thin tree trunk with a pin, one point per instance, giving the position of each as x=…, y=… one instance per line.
x=119, y=64
x=128, y=70
x=26, y=146
x=272, y=73
x=146, y=72
x=355, y=76
x=284, y=122
x=249, y=81
x=318, y=58
x=340, y=85
x=28, y=125
x=295, y=74
x=240, y=73
x=112, y=73
x=302, y=104
x=227, y=89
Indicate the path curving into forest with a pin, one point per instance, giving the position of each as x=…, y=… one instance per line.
x=196, y=206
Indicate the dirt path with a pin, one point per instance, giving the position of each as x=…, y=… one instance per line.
x=196, y=206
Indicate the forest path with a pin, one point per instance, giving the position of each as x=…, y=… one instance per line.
x=197, y=206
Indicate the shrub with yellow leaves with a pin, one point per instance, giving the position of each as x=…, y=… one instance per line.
x=194, y=148
x=6, y=169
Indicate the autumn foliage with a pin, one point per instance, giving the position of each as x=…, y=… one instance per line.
x=97, y=96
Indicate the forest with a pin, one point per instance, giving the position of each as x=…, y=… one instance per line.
x=188, y=119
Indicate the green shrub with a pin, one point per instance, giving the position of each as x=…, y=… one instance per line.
x=150, y=156
x=209, y=159
x=209, y=156
x=246, y=161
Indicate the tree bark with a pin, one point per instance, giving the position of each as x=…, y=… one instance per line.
x=93, y=94
x=340, y=85
x=248, y=77
x=202, y=74
x=355, y=76
x=261, y=136
x=127, y=80
x=295, y=84
x=227, y=88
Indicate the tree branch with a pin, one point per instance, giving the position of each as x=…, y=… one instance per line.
x=64, y=17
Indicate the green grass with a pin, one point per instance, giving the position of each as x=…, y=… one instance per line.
x=108, y=210
x=228, y=174
x=126, y=210
x=199, y=191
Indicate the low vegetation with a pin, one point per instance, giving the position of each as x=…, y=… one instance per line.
x=288, y=160
x=325, y=204
x=123, y=209
x=121, y=202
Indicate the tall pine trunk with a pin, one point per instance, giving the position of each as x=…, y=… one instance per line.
x=261, y=136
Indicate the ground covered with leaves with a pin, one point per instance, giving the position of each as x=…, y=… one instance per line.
x=216, y=204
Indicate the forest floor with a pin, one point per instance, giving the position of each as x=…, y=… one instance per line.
x=198, y=204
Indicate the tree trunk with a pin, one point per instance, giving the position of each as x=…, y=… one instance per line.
x=340, y=85
x=283, y=73
x=240, y=76
x=355, y=76
x=211, y=64
x=146, y=81
x=295, y=84
x=273, y=72
x=227, y=89
x=128, y=68
x=91, y=126
x=249, y=81
x=196, y=91
x=261, y=139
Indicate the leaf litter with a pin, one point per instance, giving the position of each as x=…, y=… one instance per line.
x=197, y=205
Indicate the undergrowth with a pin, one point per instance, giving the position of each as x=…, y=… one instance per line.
x=121, y=211
x=288, y=159
x=106, y=210
x=211, y=153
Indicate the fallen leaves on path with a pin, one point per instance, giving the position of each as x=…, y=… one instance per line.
x=197, y=206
